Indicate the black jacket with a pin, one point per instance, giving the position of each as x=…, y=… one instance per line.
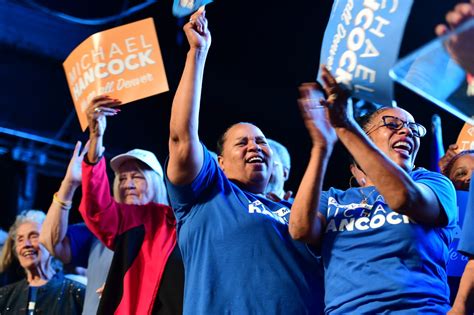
x=59, y=296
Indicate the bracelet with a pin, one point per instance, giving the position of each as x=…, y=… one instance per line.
x=66, y=205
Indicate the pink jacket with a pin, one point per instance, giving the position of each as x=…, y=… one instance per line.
x=108, y=220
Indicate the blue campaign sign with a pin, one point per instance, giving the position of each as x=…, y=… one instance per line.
x=361, y=44
x=186, y=7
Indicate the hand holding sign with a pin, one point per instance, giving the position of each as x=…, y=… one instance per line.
x=97, y=112
x=99, y=108
x=460, y=46
x=185, y=7
x=340, y=111
x=196, y=31
x=460, y=14
x=123, y=62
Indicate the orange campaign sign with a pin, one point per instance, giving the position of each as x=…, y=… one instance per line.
x=466, y=138
x=123, y=62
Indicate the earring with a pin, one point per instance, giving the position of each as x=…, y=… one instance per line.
x=362, y=181
x=350, y=181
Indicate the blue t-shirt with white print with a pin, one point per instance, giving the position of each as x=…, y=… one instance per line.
x=238, y=255
x=378, y=261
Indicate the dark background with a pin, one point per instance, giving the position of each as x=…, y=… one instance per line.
x=261, y=51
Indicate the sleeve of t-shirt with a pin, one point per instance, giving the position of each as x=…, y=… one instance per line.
x=80, y=240
x=323, y=203
x=183, y=197
x=444, y=191
x=466, y=243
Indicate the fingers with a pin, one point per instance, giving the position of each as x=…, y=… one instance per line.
x=441, y=29
x=311, y=91
x=466, y=11
x=307, y=104
x=273, y=197
x=86, y=148
x=453, y=146
x=104, y=100
x=106, y=103
x=77, y=149
x=305, y=90
x=450, y=153
x=461, y=13
x=330, y=86
x=102, y=105
x=329, y=82
x=335, y=92
x=198, y=21
x=101, y=151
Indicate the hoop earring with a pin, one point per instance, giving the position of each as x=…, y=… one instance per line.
x=350, y=181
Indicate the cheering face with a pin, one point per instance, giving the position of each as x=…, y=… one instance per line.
x=460, y=173
x=133, y=186
x=27, y=246
x=399, y=143
x=246, y=157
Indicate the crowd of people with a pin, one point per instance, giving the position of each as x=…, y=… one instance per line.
x=219, y=233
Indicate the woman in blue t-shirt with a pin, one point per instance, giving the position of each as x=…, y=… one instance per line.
x=239, y=257
x=384, y=244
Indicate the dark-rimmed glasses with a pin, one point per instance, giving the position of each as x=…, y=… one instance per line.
x=396, y=123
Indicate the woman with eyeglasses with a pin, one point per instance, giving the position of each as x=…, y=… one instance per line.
x=385, y=243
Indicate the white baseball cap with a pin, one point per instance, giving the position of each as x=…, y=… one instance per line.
x=144, y=156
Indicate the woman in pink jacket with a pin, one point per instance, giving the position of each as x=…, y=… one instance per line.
x=146, y=275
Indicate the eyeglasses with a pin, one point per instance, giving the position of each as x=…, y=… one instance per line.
x=396, y=123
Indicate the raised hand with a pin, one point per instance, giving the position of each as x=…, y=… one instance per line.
x=460, y=46
x=100, y=290
x=196, y=31
x=97, y=112
x=460, y=14
x=273, y=197
x=99, y=108
x=446, y=158
x=316, y=115
x=74, y=170
x=340, y=111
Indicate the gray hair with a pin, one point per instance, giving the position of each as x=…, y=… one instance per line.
x=280, y=150
x=154, y=182
x=8, y=253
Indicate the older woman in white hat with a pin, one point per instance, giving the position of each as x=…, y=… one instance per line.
x=146, y=275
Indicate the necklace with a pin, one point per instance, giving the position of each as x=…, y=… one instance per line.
x=365, y=198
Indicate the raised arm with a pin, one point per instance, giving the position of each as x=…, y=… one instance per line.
x=306, y=222
x=97, y=112
x=459, y=46
x=186, y=156
x=400, y=191
x=53, y=232
x=446, y=158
